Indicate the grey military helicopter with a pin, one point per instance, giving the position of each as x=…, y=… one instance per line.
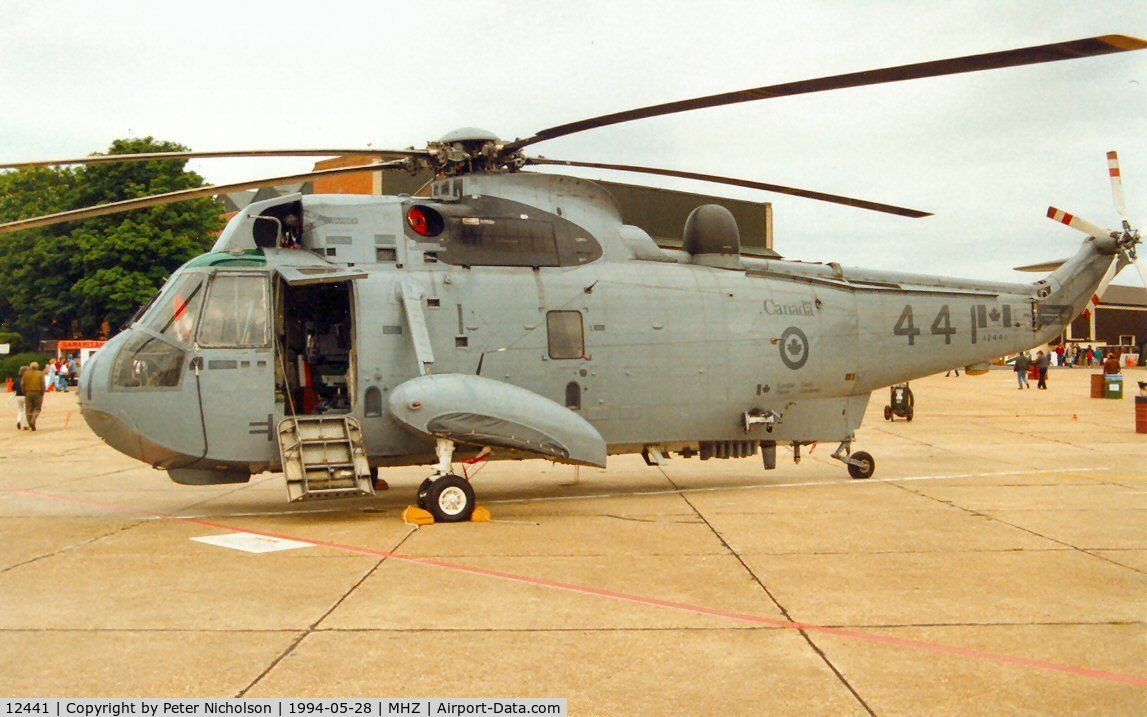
x=512, y=314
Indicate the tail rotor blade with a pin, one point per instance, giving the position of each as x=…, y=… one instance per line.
x=1142, y=272
x=1076, y=223
x=1117, y=185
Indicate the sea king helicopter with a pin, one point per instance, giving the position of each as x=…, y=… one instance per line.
x=512, y=314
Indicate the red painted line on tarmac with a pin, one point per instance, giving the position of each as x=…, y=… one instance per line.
x=635, y=599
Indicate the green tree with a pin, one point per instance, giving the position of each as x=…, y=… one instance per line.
x=104, y=267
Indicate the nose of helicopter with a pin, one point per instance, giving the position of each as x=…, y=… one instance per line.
x=118, y=417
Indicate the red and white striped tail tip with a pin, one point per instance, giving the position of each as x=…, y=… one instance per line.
x=1113, y=163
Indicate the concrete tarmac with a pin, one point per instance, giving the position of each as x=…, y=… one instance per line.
x=995, y=564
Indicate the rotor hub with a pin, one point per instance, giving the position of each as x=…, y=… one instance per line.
x=472, y=149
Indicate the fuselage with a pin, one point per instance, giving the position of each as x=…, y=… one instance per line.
x=652, y=346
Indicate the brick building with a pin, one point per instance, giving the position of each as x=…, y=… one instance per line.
x=1119, y=320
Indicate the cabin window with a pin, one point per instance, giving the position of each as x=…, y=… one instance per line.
x=174, y=315
x=236, y=312
x=566, y=335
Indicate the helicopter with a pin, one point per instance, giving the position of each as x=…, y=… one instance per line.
x=511, y=314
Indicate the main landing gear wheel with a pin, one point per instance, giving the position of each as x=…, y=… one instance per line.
x=450, y=499
x=422, y=488
x=866, y=467
x=888, y=413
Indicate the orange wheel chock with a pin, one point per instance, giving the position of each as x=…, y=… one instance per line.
x=413, y=515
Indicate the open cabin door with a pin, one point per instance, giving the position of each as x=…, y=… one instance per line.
x=320, y=446
x=314, y=335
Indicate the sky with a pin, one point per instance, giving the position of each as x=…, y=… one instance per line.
x=985, y=152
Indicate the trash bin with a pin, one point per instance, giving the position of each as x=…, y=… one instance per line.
x=1141, y=414
x=1097, y=387
x=1114, y=385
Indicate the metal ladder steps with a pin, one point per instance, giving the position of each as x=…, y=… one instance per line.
x=323, y=457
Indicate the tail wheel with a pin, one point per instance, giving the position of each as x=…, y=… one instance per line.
x=866, y=468
x=450, y=499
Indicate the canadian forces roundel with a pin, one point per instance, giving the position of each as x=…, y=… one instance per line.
x=794, y=347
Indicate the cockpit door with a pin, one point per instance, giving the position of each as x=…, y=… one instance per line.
x=235, y=368
x=152, y=377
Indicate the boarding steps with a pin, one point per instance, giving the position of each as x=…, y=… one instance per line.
x=323, y=457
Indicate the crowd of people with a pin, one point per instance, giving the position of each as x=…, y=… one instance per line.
x=32, y=382
x=1079, y=355
x=1029, y=368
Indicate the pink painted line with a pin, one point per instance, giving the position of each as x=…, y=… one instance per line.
x=635, y=599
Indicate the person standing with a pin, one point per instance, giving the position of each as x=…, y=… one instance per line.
x=21, y=414
x=1089, y=356
x=34, y=385
x=1060, y=352
x=1042, y=362
x=1111, y=365
x=49, y=374
x=1023, y=363
x=62, y=375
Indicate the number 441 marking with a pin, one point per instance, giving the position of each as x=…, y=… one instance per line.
x=941, y=325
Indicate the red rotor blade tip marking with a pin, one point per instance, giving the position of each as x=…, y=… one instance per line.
x=1113, y=164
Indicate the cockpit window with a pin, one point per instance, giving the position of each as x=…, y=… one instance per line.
x=145, y=362
x=174, y=315
x=236, y=312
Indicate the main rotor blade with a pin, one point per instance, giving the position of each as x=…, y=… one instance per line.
x=185, y=194
x=148, y=156
x=778, y=188
x=1054, y=52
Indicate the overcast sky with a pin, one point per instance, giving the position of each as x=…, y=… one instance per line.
x=986, y=152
